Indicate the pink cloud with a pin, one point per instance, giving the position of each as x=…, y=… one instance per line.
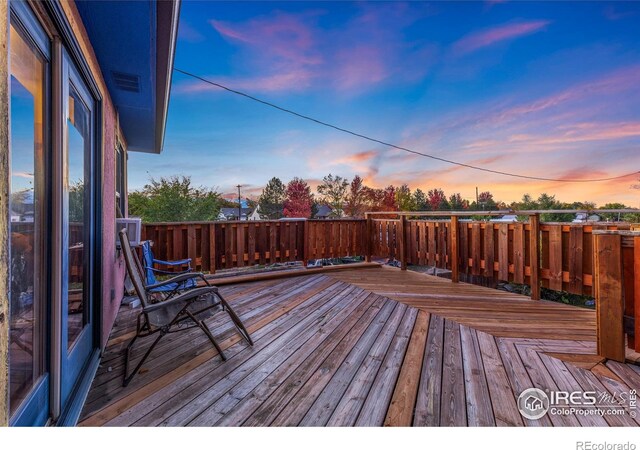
x=291, y=52
x=294, y=80
x=360, y=157
x=485, y=38
x=283, y=35
x=584, y=132
x=360, y=66
x=612, y=83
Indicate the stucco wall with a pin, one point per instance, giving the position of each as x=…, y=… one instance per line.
x=4, y=212
x=113, y=268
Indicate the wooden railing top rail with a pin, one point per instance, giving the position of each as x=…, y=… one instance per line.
x=618, y=232
x=207, y=222
x=503, y=212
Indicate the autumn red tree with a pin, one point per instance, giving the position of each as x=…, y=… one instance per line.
x=356, y=198
x=486, y=201
x=298, y=199
x=437, y=200
x=389, y=201
x=373, y=199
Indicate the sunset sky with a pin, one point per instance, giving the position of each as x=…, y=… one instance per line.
x=543, y=89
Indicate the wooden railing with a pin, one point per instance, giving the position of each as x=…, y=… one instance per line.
x=599, y=259
x=224, y=245
x=617, y=291
x=501, y=251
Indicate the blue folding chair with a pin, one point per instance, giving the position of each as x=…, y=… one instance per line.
x=150, y=271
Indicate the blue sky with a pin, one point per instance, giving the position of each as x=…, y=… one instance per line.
x=545, y=89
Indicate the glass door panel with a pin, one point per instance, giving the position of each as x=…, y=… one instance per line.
x=78, y=144
x=78, y=206
x=26, y=201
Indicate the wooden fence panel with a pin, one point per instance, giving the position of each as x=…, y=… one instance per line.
x=503, y=251
x=518, y=253
x=489, y=250
x=497, y=250
x=463, y=245
x=476, y=248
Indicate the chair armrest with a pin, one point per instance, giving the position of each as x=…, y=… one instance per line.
x=173, y=263
x=179, y=279
x=185, y=297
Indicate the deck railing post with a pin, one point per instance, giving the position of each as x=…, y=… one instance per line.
x=212, y=248
x=455, y=265
x=305, y=242
x=608, y=289
x=369, y=238
x=402, y=243
x=534, y=255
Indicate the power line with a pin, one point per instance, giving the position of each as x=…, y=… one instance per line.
x=387, y=144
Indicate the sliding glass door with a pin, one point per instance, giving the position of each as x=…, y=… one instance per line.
x=78, y=237
x=52, y=224
x=28, y=356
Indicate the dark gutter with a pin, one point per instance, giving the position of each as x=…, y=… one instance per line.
x=168, y=14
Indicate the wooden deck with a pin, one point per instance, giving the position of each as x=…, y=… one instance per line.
x=361, y=347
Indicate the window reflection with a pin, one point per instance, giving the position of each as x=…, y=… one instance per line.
x=77, y=141
x=25, y=202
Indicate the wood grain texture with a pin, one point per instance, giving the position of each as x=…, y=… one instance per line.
x=336, y=349
x=4, y=212
x=609, y=296
x=400, y=413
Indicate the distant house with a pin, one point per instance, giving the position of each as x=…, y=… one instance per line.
x=232, y=214
x=255, y=214
x=508, y=218
x=585, y=217
x=324, y=212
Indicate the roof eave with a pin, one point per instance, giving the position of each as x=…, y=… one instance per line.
x=168, y=15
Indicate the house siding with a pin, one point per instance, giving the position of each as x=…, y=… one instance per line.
x=4, y=212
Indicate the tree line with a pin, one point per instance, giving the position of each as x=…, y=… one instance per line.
x=176, y=199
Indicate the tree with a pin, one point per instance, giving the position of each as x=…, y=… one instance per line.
x=174, y=199
x=271, y=201
x=404, y=199
x=333, y=192
x=486, y=201
x=420, y=200
x=356, y=198
x=389, y=199
x=298, y=199
x=436, y=200
x=374, y=199
x=625, y=217
x=546, y=201
x=76, y=201
x=457, y=203
x=251, y=203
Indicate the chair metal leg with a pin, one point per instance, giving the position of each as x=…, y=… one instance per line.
x=207, y=331
x=128, y=378
x=236, y=320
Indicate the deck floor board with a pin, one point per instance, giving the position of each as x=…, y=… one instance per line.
x=360, y=347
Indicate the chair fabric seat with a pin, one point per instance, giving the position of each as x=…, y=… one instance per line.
x=163, y=315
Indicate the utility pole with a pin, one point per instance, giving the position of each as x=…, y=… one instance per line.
x=635, y=186
x=239, y=203
x=477, y=201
